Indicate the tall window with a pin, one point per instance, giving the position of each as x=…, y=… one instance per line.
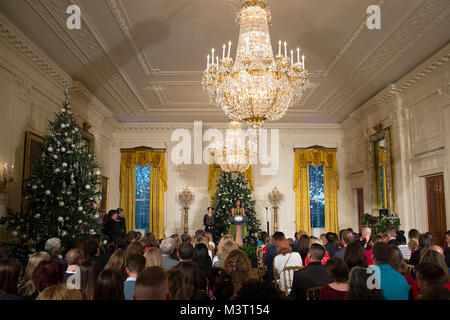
x=142, y=200
x=317, y=197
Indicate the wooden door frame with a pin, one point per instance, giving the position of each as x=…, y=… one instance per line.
x=444, y=218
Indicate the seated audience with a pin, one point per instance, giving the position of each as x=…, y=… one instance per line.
x=326, y=257
x=262, y=243
x=358, y=288
x=47, y=273
x=425, y=241
x=331, y=246
x=74, y=258
x=10, y=272
x=134, y=248
x=167, y=247
x=132, y=236
x=225, y=247
x=27, y=290
x=185, y=253
x=220, y=285
x=285, y=258
x=303, y=245
x=109, y=286
x=323, y=238
x=238, y=266
x=185, y=238
x=314, y=274
x=406, y=252
x=203, y=262
x=135, y=264
x=413, y=240
x=150, y=241
x=392, y=237
x=53, y=248
x=393, y=284
x=338, y=271
x=366, y=234
x=346, y=239
x=375, y=238
x=60, y=292
x=175, y=282
x=153, y=257
x=271, y=253
x=89, y=271
x=254, y=290
x=447, y=249
x=191, y=288
x=355, y=256
x=397, y=262
x=152, y=284
x=430, y=276
x=118, y=262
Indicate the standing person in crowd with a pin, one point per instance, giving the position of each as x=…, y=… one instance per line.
x=10, y=273
x=314, y=274
x=338, y=289
x=154, y=257
x=346, y=239
x=331, y=246
x=208, y=221
x=27, y=289
x=109, y=286
x=167, y=247
x=271, y=253
x=237, y=265
x=135, y=264
x=358, y=288
x=425, y=241
x=47, y=273
x=355, y=256
x=285, y=258
x=392, y=237
x=89, y=271
x=393, y=284
x=113, y=226
x=366, y=234
x=121, y=217
x=220, y=285
x=203, y=262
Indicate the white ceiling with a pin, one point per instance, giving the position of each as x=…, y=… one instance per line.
x=143, y=58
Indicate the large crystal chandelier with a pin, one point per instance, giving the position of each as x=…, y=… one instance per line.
x=234, y=157
x=257, y=87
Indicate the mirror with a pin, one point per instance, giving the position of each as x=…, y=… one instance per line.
x=383, y=200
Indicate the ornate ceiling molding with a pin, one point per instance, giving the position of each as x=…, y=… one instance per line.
x=425, y=18
x=93, y=53
x=434, y=63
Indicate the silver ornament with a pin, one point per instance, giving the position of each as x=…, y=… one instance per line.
x=60, y=219
x=61, y=203
x=48, y=192
x=50, y=149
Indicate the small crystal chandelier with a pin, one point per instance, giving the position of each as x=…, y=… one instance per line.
x=234, y=157
x=257, y=87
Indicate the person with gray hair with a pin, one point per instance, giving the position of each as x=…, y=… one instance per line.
x=53, y=248
x=167, y=246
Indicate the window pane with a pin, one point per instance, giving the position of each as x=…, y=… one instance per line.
x=317, y=197
x=142, y=202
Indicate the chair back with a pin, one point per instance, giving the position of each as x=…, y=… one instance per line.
x=288, y=275
x=313, y=293
x=410, y=267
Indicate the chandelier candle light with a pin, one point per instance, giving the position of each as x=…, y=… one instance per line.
x=257, y=87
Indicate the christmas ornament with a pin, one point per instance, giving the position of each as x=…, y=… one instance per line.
x=80, y=208
x=61, y=203
x=87, y=187
x=34, y=187
x=50, y=149
x=48, y=192
x=60, y=219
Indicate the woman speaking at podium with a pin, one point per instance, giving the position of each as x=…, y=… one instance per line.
x=238, y=231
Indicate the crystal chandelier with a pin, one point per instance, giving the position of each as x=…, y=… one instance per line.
x=257, y=87
x=234, y=157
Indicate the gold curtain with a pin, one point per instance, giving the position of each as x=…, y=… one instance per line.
x=156, y=159
x=214, y=174
x=315, y=157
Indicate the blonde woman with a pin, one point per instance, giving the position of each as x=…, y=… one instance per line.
x=27, y=290
x=313, y=240
x=118, y=262
x=60, y=292
x=238, y=265
x=223, y=250
x=153, y=257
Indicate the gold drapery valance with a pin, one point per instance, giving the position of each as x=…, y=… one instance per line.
x=315, y=157
x=214, y=173
x=156, y=159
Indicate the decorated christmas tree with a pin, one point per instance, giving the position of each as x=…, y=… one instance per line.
x=60, y=195
x=229, y=189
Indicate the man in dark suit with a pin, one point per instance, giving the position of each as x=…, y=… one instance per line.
x=271, y=253
x=121, y=217
x=167, y=246
x=392, y=236
x=313, y=275
x=185, y=253
x=347, y=238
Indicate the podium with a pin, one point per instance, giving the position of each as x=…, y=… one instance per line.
x=238, y=220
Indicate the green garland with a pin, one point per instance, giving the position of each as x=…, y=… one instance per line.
x=382, y=223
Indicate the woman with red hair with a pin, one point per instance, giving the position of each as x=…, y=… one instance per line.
x=285, y=258
x=48, y=273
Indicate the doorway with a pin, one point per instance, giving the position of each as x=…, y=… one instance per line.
x=436, y=208
x=360, y=206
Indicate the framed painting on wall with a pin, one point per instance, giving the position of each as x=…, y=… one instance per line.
x=33, y=153
x=104, y=185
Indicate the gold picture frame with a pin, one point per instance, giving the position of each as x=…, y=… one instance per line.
x=104, y=188
x=33, y=152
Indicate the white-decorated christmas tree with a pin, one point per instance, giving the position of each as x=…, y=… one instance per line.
x=60, y=195
x=229, y=189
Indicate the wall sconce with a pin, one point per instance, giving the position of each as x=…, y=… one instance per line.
x=185, y=198
x=5, y=179
x=275, y=198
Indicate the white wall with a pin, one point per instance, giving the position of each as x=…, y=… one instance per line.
x=417, y=109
